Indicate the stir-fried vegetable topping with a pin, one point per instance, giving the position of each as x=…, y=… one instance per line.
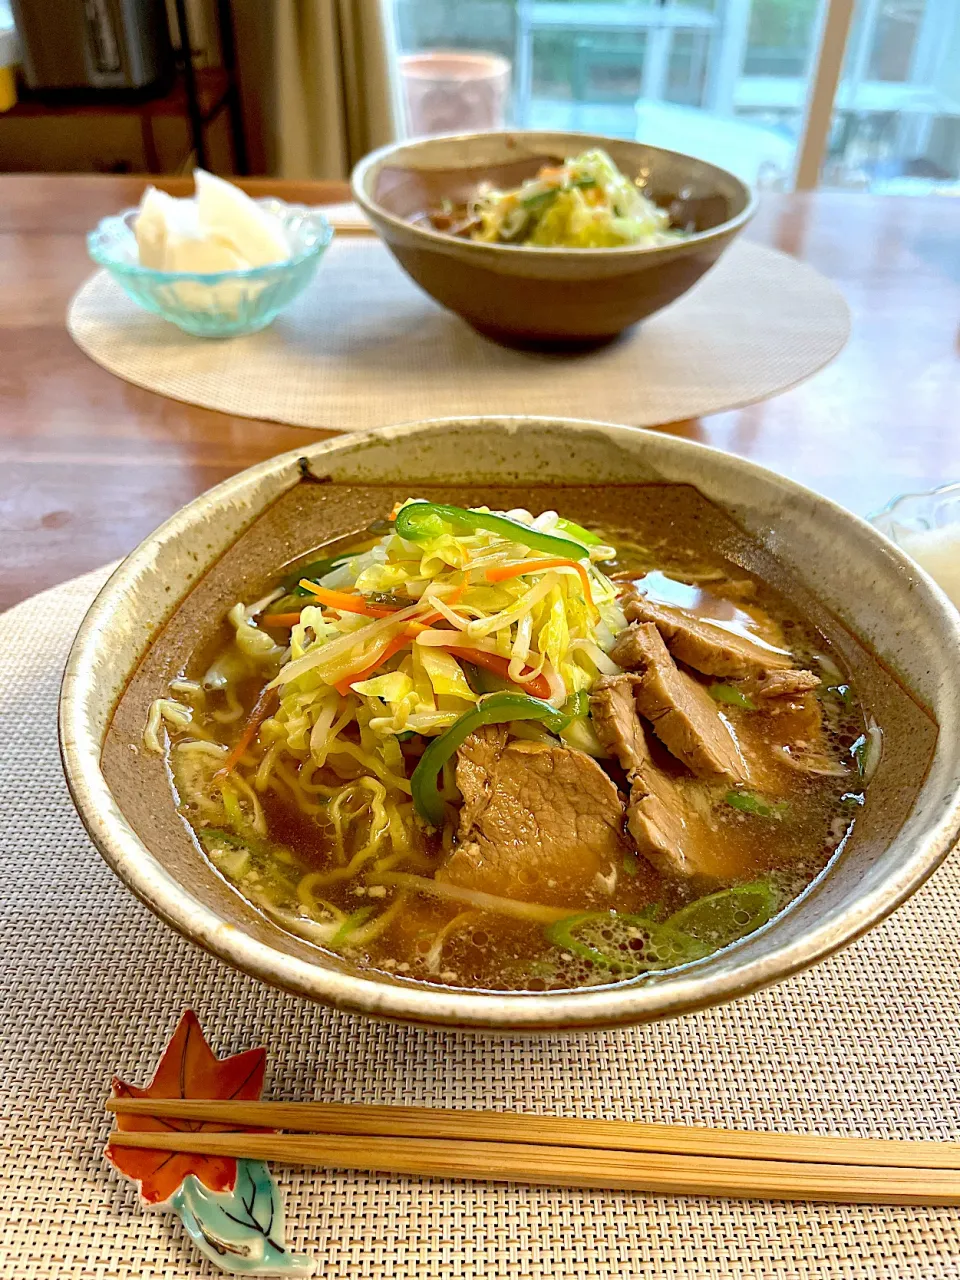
x=584, y=203
x=385, y=643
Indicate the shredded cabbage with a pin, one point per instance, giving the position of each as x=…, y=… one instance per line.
x=584, y=203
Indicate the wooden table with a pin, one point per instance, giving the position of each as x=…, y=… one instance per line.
x=91, y=464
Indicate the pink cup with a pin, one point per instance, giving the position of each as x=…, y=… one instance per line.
x=454, y=92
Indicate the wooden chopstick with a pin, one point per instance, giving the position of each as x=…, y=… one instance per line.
x=351, y=228
x=556, y=1131
x=583, y=1167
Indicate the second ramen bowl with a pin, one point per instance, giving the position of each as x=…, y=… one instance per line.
x=529, y=295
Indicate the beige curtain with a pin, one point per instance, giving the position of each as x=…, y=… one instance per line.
x=335, y=92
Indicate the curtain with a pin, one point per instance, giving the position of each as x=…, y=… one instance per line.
x=335, y=96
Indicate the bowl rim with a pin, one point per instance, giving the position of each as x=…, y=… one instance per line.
x=605, y=1007
x=495, y=63
x=136, y=270
x=540, y=253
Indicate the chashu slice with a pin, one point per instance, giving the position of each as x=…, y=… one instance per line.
x=669, y=832
x=684, y=716
x=704, y=645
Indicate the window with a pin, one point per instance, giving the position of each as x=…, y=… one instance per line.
x=725, y=79
x=896, y=121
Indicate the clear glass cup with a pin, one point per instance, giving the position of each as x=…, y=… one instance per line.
x=221, y=304
x=927, y=527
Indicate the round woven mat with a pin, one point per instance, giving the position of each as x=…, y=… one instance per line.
x=365, y=346
x=866, y=1044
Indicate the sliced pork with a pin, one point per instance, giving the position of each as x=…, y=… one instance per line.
x=704, y=645
x=684, y=716
x=538, y=822
x=668, y=830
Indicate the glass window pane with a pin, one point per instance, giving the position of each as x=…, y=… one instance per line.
x=894, y=40
x=896, y=123
x=723, y=79
x=780, y=37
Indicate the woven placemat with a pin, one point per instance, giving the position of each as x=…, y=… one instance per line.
x=363, y=345
x=865, y=1044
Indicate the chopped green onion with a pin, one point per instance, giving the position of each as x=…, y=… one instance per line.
x=747, y=802
x=419, y=521
x=843, y=692
x=250, y=843
x=723, y=917
x=732, y=696
x=630, y=867
x=217, y=835
x=352, y=921
x=231, y=806
x=494, y=708
x=560, y=933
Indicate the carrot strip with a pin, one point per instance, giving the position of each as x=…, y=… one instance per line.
x=261, y=709
x=279, y=619
x=500, y=573
x=393, y=646
x=539, y=686
x=344, y=602
x=411, y=630
x=351, y=602
x=457, y=592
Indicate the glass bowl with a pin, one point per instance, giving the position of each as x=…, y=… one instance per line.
x=927, y=527
x=222, y=304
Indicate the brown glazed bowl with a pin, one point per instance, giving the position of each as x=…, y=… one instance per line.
x=521, y=295
x=897, y=634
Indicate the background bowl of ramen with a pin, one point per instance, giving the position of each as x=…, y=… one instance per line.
x=520, y=294
x=895, y=631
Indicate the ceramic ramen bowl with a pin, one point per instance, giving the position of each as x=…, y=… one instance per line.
x=896, y=633
x=520, y=294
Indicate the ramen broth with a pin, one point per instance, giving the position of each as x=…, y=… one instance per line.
x=334, y=853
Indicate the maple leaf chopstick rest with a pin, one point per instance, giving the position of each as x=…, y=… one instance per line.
x=232, y=1209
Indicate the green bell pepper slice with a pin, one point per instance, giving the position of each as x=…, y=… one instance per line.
x=495, y=708
x=577, y=706
x=422, y=520
x=727, y=915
